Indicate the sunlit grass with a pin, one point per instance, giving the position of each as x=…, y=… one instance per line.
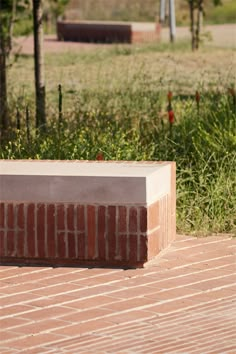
x=115, y=102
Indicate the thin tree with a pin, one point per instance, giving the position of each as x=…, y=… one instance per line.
x=196, y=12
x=39, y=65
x=199, y=22
x=191, y=4
x=7, y=11
x=3, y=84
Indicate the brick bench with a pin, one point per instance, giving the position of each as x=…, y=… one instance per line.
x=106, y=32
x=85, y=213
x=102, y=32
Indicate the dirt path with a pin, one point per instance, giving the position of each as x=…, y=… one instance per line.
x=222, y=36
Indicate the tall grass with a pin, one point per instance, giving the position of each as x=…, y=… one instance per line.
x=114, y=101
x=132, y=124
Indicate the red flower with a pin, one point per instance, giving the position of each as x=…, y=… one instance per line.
x=100, y=157
x=171, y=116
x=197, y=96
x=169, y=96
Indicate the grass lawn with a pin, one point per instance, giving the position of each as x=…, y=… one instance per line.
x=160, y=67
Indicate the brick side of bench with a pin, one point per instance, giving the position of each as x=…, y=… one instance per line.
x=75, y=233
x=94, y=32
x=104, y=32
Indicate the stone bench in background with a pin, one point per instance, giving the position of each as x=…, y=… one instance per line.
x=86, y=212
x=107, y=32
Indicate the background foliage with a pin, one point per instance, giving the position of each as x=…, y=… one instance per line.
x=139, y=10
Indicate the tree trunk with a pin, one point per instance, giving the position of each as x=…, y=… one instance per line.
x=39, y=65
x=199, y=22
x=191, y=9
x=3, y=76
x=3, y=92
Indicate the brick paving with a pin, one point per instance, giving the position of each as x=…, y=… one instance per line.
x=183, y=302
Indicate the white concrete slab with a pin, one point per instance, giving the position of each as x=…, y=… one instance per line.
x=83, y=182
x=76, y=168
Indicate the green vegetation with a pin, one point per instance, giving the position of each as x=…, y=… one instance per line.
x=223, y=14
x=23, y=20
x=23, y=26
x=115, y=102
x=121, y=10
x=145, y=11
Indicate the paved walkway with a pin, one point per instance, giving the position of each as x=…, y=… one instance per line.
x=223, y=36
x=184, y=302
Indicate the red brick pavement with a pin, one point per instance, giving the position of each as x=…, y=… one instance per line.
x=184, y=302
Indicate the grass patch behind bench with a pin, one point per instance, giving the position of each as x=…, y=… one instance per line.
x=116, y=103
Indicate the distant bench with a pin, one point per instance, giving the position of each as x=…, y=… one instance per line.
x=106, y=32
x=85, y=213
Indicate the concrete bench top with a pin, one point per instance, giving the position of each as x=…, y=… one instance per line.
x=78, y=168
x=87, y=182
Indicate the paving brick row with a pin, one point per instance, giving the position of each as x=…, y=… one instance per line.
x=72, y=343
x=202, y=244
x=44, y=284
x=160, y=340
x=121, y=330
x=126, y=345
x=105, y=341
x=7, y=268
x=200, y=315
x=212, y=344
x=18, y=273
x=195, y=321
x=188, y=271
x=196, y=263
x=34, y=341
x=25, y=278
x=185, y=332
x=165, y=346
x=230, y=349
x=91, y=281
